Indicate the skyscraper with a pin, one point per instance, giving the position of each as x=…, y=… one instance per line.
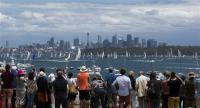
x=114, y=41
x=99, y=42
x=62, y=45
x=121, y=43
x=144, y=43
x=88, y=40
x=136, y=41
x=52, y=42
x=76, y=42
x=129, y=41
x=7, y=44
x=106, y=43
x=152, y=43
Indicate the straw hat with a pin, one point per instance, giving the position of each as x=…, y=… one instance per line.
x=83, y=69
x=42, y=74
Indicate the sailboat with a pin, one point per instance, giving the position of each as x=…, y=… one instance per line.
x=78, y=56
x=127, y=54
x=145, y=55
x=179, y=53
x=102, y=55
x=28, y=55
x=115, y=55
x=68, y=57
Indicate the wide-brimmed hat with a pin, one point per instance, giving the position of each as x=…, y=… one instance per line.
x=83, y=69
x=14, y=67
x=42, y=74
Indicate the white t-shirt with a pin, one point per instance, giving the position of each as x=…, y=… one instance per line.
x=71, y=81
x=124, y=84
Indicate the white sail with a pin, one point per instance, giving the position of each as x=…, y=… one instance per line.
x=127, y=54
x=196, y=55
x=179, y=53
x=12, y=62
x=28, y=55
x=115, y=56
x=39, y=54
x=145, y=55
x=60, y=54
x=69, y=55
x=51, y=55
x=102, y=55
x=78, y=56
x=7, y=55
x=91, y=55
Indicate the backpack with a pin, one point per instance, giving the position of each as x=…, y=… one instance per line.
x=72, y=89
x=151, y=91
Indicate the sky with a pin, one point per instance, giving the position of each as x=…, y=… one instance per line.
x=29, y=21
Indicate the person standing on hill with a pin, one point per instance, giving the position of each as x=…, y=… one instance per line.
x=60, y=90
x=111, y=91
x=72, y=90
x=198, y=92
x=174, y=84
x=141, y=87
x=190, y=91
x=83, y=85
x=31, y=89
x=98, y=86
x=21, y=89
x=154, y=91
x=124, y=88
x=165, y=90
x=131, y=75
x=7, y=89
x=42, y=93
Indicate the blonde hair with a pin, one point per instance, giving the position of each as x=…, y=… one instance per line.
x=131, y=73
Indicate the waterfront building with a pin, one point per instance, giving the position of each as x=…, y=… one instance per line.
x=114, y=41
x=144, y=43
x=76, y=42
x=129, y=41
x=152, y=43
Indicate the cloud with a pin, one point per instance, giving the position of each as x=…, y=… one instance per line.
x=73, y=17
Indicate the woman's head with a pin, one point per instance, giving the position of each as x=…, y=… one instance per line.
x=31, y=75
x=131, y=74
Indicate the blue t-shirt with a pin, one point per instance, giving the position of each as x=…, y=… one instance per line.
x=198, y=86
x=15, y=73
x=110, y=78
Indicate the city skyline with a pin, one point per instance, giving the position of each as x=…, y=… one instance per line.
x=173, y=21
x=127, y=41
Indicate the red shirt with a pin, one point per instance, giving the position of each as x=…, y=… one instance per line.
x=83, y=80
x=7, y=78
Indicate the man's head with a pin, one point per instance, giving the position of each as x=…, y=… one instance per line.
x=173, y=75
x=110, y=70
x=59, y=72
x=7, y=67
x=191, y=75
x=123, y=71
x=152, y=75
x=141, y=72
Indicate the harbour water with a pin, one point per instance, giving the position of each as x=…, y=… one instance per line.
x=160, y=64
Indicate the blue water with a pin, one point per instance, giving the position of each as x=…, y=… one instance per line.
x=179, y=65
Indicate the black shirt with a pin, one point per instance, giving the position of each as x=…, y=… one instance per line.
x=174, y=87
x=60, y=87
